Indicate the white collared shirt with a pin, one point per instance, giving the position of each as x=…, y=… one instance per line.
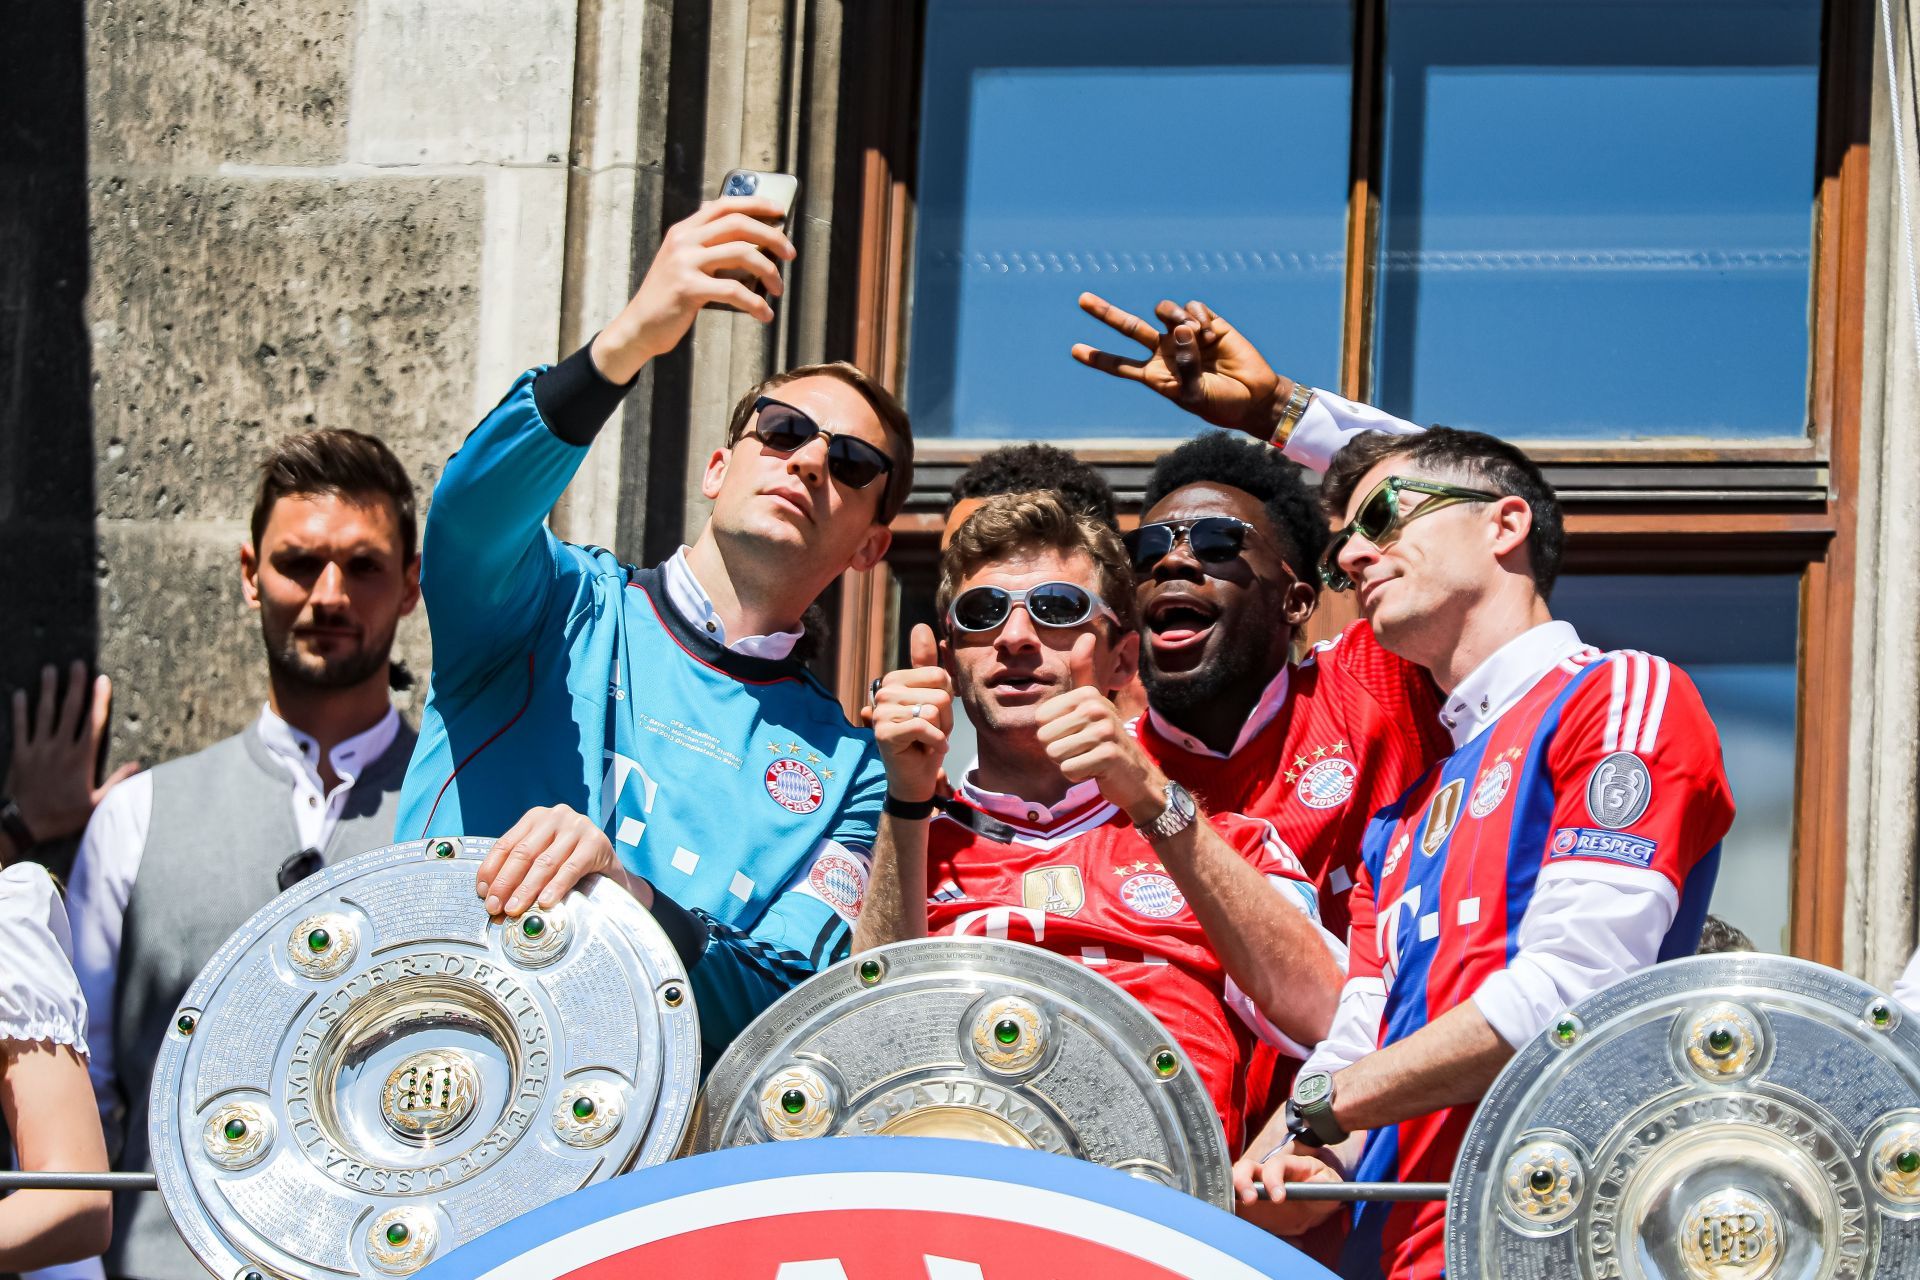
x=1271, y=700
x=1029, y=813
x=691, y=601
x=116, y=839
x=1491, y=689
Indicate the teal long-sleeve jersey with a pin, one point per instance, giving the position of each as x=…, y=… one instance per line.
x=733, y=784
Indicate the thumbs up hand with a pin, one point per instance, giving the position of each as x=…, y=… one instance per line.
x=1086, y=737
x=912, y=716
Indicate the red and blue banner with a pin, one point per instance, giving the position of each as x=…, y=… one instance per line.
x=877, y=1209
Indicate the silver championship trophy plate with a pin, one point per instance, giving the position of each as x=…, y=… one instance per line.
x=969, y=1038
x=372, y=1072
x=1726, y=1117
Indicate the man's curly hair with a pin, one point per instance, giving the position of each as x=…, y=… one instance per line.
x=1236, y=462
x=1023, y=468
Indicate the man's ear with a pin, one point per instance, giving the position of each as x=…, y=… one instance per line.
x=1512, y=522
x=1300, y=601
x=249, y=575
x=411, y=596
x=1123, y=659
x=872, y=548
x=715, y=475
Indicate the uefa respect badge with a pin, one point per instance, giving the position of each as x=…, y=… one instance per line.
x=878, y=1209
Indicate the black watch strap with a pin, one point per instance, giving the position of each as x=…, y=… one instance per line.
x=911, y=810
x=15, y=826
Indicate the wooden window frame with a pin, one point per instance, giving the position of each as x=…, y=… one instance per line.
x=1641, y=507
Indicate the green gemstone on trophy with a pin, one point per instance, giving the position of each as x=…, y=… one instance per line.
x=236, y=1129
x=533, y=926
x=793, y=1102
x=443, y=848
x=1165, y=1063
x=869, y=971
x=1908, y=1161
x=397, y=1233
x=1566, y=1031
x=319, y=940
x=1006, y=1031
x=1542, y=1180
x=1881, y=1013
x=1720, y=1042
x=583, y=1108
x=185, y=1024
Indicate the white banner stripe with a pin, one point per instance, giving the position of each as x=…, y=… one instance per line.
x=812, y=1193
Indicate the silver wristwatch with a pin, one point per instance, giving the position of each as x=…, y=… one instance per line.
x=1173, y=819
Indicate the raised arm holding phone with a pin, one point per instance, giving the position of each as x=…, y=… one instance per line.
x=652, y=724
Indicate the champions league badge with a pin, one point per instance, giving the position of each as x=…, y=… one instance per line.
x=1327, y=784
x=902, y=1209
x=794, y=786
x=1153, y=895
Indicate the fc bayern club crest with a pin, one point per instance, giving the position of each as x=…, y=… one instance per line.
x=1152, y=894
x=859, y=1209
x=794, y=786
x=839, y=881
x=1491, y=790
x=1327, y=783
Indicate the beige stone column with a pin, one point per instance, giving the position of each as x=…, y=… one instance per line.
x=1884, y=788
x=349, y=215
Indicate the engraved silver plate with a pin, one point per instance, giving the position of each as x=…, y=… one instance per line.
x=1725, y=1117
x=371, y=1072
x=971, y=1038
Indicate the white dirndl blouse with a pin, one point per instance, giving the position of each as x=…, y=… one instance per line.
x=39, y=996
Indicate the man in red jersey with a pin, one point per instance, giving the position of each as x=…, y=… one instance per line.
x=1064, y=834
x=1571, y=836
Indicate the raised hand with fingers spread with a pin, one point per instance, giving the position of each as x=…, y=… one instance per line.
x=52, y=778
x=1195, y=359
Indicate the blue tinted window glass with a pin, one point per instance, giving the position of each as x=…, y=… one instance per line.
x=1737, y=637
x=1597, y=216
x=1141, y=149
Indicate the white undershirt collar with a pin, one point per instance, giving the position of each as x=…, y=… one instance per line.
x=1028, y=813
x=691, y=601
x=1492, y=688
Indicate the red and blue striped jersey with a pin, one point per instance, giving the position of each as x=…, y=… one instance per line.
x=1609, y=765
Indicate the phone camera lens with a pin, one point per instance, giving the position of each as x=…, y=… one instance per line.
x=742, y=184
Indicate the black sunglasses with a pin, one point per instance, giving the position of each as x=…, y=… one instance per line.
x=1213, y=540
x=850, y=460
x=1051, y=604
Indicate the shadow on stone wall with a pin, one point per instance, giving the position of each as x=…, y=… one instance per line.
x=48, y=555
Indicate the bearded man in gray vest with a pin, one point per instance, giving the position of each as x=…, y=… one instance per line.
x=175, y=859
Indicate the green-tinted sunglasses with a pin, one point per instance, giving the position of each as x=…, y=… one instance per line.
x=1380, y=517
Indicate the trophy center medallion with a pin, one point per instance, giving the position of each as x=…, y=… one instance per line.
x=430, y=1095
x=1731, y=1234
x=966, y=1123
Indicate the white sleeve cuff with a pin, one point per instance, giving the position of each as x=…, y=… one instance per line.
x=1588, y=926
x=1356, y=1027
x=1330, y=421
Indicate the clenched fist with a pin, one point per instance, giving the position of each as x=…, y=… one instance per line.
x=912, y=716
x=1086, y=736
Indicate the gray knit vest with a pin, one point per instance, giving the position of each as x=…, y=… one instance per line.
x=222, y=825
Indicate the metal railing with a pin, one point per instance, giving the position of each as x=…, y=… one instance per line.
x=1396, y=1192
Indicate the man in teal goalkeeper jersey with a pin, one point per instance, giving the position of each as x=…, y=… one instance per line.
x=652, y=724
